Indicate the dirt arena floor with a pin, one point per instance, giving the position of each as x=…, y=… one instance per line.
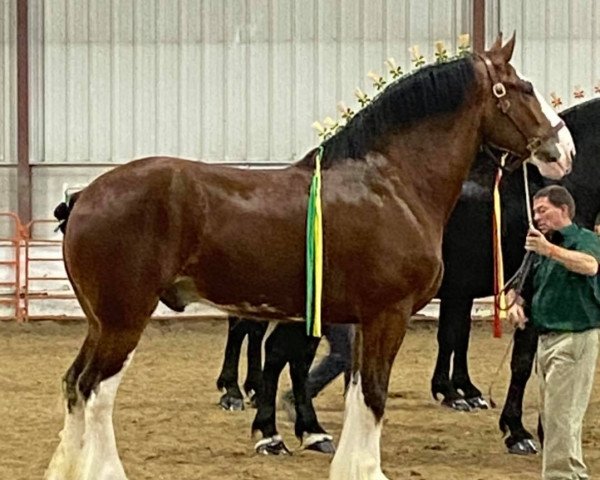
x=168, y=424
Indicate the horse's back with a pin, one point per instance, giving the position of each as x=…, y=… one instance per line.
x=148, y=223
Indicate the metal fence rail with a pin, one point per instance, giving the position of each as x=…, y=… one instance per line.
x=10, y=267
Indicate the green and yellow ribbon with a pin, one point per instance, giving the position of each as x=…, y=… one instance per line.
x=314, y=252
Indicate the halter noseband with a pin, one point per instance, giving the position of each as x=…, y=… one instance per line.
x=499, y=91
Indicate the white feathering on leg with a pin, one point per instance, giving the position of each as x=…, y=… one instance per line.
x=358, y=454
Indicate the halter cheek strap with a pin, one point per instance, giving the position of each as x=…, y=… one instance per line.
x=499, y=91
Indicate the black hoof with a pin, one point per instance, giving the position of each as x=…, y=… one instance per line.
x=478, y=403
x=321, y=443
x=272, y=446
x=231, y=404
x=524, y=447
x=460, y=404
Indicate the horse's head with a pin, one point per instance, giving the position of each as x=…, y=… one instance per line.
x=519, y=120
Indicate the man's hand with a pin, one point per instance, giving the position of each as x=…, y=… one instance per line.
x=537, y=242
x=516, y=316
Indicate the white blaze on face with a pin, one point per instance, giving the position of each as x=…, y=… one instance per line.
x=358, y=454
x=566, y=145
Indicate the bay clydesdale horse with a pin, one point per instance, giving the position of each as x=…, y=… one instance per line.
x=235, y=238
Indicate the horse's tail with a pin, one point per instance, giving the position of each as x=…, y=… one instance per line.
x=63, y=210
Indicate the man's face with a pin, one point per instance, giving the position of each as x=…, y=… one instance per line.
x=597, y=229
x=549, y=218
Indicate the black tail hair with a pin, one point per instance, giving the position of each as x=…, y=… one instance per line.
x=63, y=210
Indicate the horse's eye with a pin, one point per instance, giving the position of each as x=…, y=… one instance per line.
x=527, y=88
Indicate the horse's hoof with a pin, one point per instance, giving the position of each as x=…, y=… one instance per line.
x=231, y=404
x=478, y=403
x=524, y=447
x=272, y=446
x=326, y=446
x=460, y=404
x=319, y=442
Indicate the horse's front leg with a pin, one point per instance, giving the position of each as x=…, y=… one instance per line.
x=377, y=342
x=302, y=349
x=460, y=371
x=253, y=384
x=452, y=312
x=232, y=398
x=519, y=440
x=276, y=357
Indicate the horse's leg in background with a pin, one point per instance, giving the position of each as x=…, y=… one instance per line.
x=119, y=331
x=232, y=399
x=253, y=383
x=377, y=342
x=460, y=369
x=336, y=362
x=276, y=357
x=519, y=440
x=289, y=343
x=302, y=349
x=454, y=312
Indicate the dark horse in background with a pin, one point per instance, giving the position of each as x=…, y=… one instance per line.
x=468, y=264
x=287, y=344
x=199, y=232
x=468, y=274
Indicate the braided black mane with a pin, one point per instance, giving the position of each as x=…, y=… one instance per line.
x=431, y=90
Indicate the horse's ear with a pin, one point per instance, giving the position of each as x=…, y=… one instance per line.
x=509, y=48
x=497, y=45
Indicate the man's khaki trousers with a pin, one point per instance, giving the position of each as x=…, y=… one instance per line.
x=565, y=363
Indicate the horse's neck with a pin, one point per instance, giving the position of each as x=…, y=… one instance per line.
x=437, y=155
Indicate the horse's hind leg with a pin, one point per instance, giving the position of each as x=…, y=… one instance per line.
x=88, y=449
x=64, y=461
x=98, y=386
x=376, y=344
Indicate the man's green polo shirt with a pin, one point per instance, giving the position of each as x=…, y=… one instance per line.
x=565, y=301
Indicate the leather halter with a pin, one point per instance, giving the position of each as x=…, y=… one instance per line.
x=499, y=91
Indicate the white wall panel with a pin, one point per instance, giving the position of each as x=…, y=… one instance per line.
x=222, y=80
x=8, y=77
x=557, y=43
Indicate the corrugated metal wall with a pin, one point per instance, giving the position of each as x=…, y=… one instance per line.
x=221, y=80
x=558, y=43
x=8, y=77
x=8, y=106
x=238, y=80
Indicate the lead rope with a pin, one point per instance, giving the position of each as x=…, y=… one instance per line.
x=519, y=278
x=517, y=281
